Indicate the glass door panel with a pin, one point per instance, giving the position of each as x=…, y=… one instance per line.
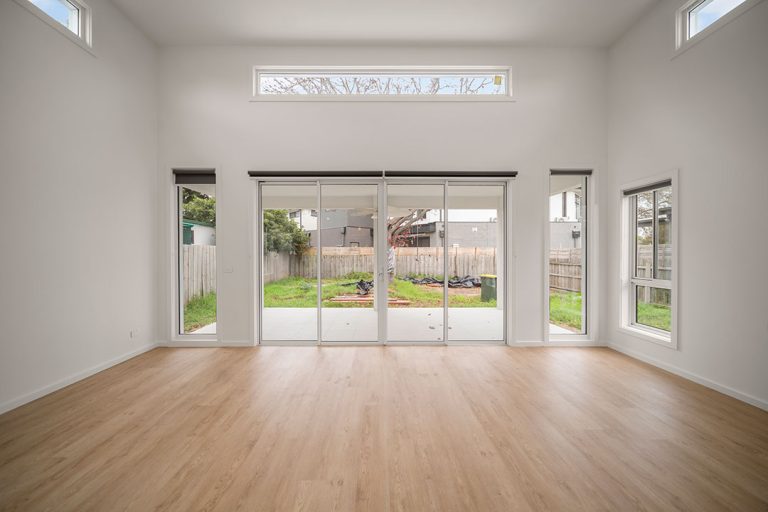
x=415, y=263
x=567, y=254
x=347, y=240
x=289, y=262
x=475, y=254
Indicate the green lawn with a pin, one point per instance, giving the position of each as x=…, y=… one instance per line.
x=654, y=315
x=298, y=292
x=199, y=312
x=565, y=311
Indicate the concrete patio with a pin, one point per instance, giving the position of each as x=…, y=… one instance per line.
x=403, y=324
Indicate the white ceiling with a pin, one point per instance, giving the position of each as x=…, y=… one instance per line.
x=429, y=22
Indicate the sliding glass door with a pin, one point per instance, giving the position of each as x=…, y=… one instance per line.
x=382, y=261
x=475, y=254
x=415, y=262
x=348, y=277
x=289, y=281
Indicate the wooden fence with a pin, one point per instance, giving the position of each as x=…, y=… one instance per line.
x=199, y=270
x=341, y=261
x=644, y=268
x=565, y=269
x=564, y=265
x=276, y=266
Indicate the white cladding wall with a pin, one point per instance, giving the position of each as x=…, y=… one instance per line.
x=206, y=119
x=705, y=113
x=78, y=139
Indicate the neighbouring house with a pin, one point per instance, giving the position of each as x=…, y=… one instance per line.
x=198, y=233
x=565, y=223
x=342, y=228
x=306, y=218
x=461, y=234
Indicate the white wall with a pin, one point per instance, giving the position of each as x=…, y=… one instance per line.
x=704, y=112
x=78, y=139
x=207, y=120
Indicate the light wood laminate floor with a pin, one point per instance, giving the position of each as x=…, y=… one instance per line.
x=396, y=428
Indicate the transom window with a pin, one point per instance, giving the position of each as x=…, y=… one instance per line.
x=70, y=17
x=705, y=13
x=385, y=83
x=696, y=18
x=66, y=13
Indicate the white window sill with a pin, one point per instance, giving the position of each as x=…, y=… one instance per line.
x=642, y=334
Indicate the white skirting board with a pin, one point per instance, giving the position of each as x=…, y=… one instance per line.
x=744, y=397
x=46, y=390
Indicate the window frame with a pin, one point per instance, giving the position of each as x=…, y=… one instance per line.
x=683, y=40
x=503, y=70
x=84, y=37
x=629, y=282
x=177, y=334
x=590, y=319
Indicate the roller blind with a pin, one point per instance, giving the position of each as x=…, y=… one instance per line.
x=382, y=174
x=570, y=172
x=194, y=176
x=646, y=188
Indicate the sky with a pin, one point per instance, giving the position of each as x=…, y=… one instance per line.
x=59, y=10
x=710, y=11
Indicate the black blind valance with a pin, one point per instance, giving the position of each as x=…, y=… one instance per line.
x=570, y=172
x=647, y=188
x=194, y=176
x=382, y=174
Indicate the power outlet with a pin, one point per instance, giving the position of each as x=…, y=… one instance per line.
x=133, y=333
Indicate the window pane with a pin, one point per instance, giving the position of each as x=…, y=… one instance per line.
x=62, y=11
x=475, y=252
x=198, y=259
x=644, y=235
x=653, y=307
x=567, y=254
x=289, y=263
x=348, y=256
x=708, y=12
x=415, y=264
x=382, y=84
x=664, y=235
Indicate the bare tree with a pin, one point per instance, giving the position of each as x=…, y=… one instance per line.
x=397, y=226
x=374, y=84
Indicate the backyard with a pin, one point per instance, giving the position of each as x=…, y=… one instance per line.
x=300, y=292
x=199, y=312
x=565, y=311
